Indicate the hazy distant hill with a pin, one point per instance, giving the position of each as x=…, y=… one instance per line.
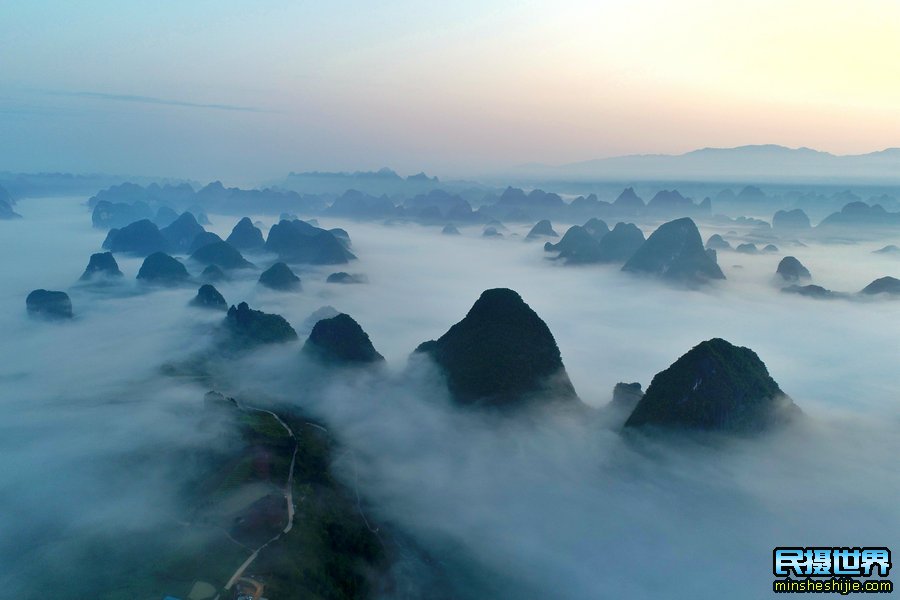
x=745, y=163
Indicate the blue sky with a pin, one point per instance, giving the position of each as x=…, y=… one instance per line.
x=249, y=90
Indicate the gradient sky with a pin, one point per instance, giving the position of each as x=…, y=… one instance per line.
x=246, y=91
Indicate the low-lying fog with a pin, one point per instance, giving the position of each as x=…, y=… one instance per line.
x=555, y=509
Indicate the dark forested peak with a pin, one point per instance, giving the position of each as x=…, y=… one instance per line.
x=299, y=242
x=341, y=341
x=181, y=233
x=203, y=239
x=717, y=242
x=49, y=304
x=788, y=220
x=221, y=254
x=250, y=327
x=577, y=246
x=791, y=269
x=541, y=229
x=500, y=354
x=596, y=227
x=159, y=267
x=883, y=285
x=101, y=264
x=675, y=252
x=621, y=243
x=811, y=291
x=280, y=277
x=140, y=238
x=209, y=297
x=747, y=248
x=450, y=229
x=715, y=386
x=246, y=236
x=346, y=278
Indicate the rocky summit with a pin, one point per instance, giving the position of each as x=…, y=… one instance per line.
x=101, y=265
x=621, y=243
x=248, y=327
x=675, y=252
x=501, y=354
x=221, y=254
x=159, y=267
x=209, y=297
x=141, y=238
x=246, y=236
x=341, y=341
x=577, y=246
x=791, y=269
x=180, y=234
x=299, y=242
x=343, y=277
x=716, y=386
x=49, y=304
x=626, y=396
x=883, y=285
x=541, y=229
x=280, y=277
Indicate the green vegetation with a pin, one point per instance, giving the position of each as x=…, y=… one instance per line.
x=499, y=353
x=330, y=553
x=715, y=386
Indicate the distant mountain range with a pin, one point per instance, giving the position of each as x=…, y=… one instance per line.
x=744, y=163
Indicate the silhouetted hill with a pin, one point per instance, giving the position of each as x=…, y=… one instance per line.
x=541, y=229
x=107, y=215
x=209, y=297
x=345, y=278
x=140, y=238
x=791, y=269
x=221, y=254
x=47, y=304
x=246, y=236
x=299, y=242
x=6, y=211
x=717, y=242
x=280, y=277
x=248, y=327
x=621, y=243
x=100, y=265
x=716, y=386
x=884, y=285
x=181, y=233
x=203, y=239
x=341, y=341
x=500, y=354
x=860, y=214
x=159, y=267
x=744, y=163
x=790, y=220
x=811, y=291
x=626, y=396
x=628, y=202
x=577, y=246
x=675, y=252
x=354, y=204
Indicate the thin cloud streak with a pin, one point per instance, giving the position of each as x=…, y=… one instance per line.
x=152, y=100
